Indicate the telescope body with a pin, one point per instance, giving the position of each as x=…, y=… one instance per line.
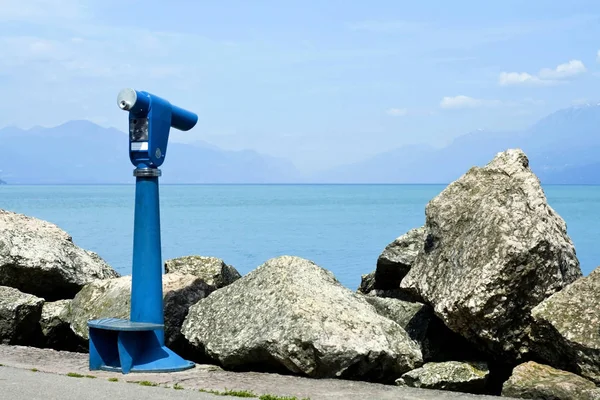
x=150, y=120
x=138, y=344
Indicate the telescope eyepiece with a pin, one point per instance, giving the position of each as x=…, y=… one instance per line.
x=127, y=99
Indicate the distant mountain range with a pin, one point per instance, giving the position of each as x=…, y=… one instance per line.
x=80, y=152
x=563, y=148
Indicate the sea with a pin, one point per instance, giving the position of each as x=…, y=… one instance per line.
x=342, y=228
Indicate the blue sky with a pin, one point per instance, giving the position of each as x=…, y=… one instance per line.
x=318, y=82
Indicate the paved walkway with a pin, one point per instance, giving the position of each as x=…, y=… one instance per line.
x=20, y=383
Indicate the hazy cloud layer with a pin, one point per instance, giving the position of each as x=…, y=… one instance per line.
x=546, y=76
x=298, y=79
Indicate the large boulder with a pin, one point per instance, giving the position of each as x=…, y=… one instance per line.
x=39, y=258
x=537, y=381
x=292, y=315
x=467, y=377
x=19, y=317
x=494, y=250
x=56, y=329
x=393, y=264
x=211, y=270
x=112, y=298
x=566, y=329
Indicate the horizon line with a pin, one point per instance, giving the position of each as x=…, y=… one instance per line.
x=271, y=184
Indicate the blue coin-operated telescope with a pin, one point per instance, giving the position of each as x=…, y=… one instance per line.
x=138, y=344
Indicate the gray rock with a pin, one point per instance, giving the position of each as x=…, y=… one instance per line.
x=591, y=394
x=565, y=330
x=37, y=257
x=367, y=283
x=211, y=270
x=19, y=317
x=467, y=377
x=56, y=329
x=392, y=265
x=399, y=293
x=413, y=317
x=397, y=258
x=290, y=314
x=537, y=381
x=112, y=298
x=437, y=342
x=494, y=250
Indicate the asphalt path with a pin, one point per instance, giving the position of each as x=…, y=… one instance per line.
x=19, y=384
x=51, y=381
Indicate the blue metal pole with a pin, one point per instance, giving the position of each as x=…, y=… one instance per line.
x=138, y=344
x=146, y=289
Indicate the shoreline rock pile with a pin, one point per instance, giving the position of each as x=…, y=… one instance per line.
x=486, y=297
x=290, y=314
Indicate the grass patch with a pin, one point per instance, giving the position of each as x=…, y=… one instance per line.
x=34, y=370
x=238, y=393
x=177, y=386
x=75, y=375
x=113, y=380
x=210, y=391
x=249, y=394
x=147, y=383
x=90, y=376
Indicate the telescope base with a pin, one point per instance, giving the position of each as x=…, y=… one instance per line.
x=124, y=346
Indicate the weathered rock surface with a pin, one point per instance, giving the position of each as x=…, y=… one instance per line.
x=397, y=258
x=566, y=330
x=367, y=283
x=413, y=317
x=211, y=270
x=393, y=264
x=494, y=250
x=468, y=377
x=437, y=342
x=290, y=314
x=537, y=381
x=19, y=316
x=111, y=298
x=56, y=329
x=39, y=258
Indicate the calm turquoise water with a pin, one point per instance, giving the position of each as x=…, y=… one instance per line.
x=341, y=227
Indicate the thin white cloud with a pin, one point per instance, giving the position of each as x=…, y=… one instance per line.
x=580, y=102
x=461, y=101
x=397, y=112
x=388, y=26
x=519, y=78
x=82, y=45
x=566, y=70
x=413, y=112
x=432, y=36
x=467, y=102
x=598, y=56
x=94, y=52
x=545, y=77
x=42, y=10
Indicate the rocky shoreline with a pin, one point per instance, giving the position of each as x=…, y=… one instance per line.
x=487, y=297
